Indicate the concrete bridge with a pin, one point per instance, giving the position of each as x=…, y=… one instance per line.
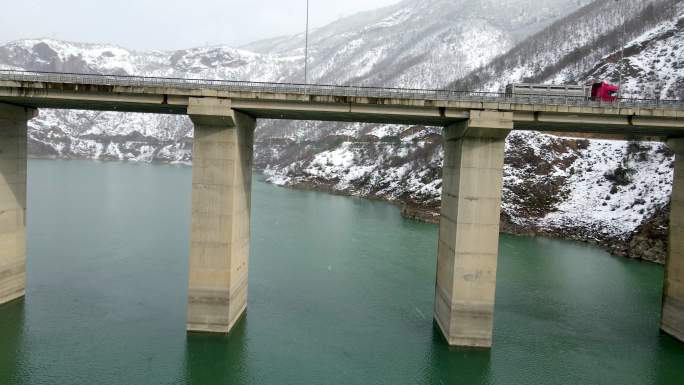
x=224, y=114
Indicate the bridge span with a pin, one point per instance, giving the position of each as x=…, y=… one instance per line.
x=224, y=114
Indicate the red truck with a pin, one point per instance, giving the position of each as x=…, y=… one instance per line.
x=604, y=92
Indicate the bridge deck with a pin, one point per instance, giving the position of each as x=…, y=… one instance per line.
x=339, y=103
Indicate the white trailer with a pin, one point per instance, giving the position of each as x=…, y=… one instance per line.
x=548, y=90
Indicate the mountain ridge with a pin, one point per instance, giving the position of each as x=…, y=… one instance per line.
x=413, y=44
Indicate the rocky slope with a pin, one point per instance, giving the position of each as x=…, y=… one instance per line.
x=425, y=44
x=553, y=186
x=613, y=193
x=649, y=31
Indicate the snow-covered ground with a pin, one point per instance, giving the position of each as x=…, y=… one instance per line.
x=393, y=171
x=654, y=63
x=604, y=189
x=409, y=44
x=607, y=185
x=550, y=183
x=592, y=200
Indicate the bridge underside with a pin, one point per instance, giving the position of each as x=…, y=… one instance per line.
x=625, y=127
x=609, y=119
x=258, y=109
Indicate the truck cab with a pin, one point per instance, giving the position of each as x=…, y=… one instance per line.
x=604, y=92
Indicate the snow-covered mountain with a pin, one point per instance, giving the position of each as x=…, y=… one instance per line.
x=419, y=43
x=424, y=44
x=610, y=192
x=588, y=44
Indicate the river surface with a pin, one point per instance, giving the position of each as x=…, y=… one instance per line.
x=341, y=292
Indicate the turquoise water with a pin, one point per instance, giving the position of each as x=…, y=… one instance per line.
x=341, y=292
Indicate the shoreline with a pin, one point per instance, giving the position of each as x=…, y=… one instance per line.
x=639, y=245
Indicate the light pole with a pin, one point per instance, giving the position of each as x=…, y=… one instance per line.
x=674, y=9
x=623, y=42
x=306, y=46
x=622, y=58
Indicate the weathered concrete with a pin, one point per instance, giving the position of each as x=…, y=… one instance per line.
x=13, y=201
x=672, y=321
x=220, y=220
x=273, y=102
x=469, y=227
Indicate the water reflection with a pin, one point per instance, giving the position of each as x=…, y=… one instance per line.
x=341, y=292
x=454, y=365
x=668, y=362
x=211, y=359
x=12, y=353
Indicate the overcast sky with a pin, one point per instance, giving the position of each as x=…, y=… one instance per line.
x=169, y=24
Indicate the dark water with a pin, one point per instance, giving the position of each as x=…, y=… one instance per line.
x=341, y=292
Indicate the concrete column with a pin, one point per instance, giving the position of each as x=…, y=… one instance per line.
x=672, y=321
x=13, y=201
x=469, y=227
x=221, y=193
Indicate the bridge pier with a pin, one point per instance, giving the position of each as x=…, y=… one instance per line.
x=220, y=219
x=469, y=227
x=13, y=200
x=672, y=321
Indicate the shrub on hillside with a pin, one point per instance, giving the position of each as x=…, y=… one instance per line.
x=621, y=176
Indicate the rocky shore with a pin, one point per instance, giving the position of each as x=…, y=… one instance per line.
x=614, y=194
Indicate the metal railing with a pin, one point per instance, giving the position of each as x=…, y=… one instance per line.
x=330, y=90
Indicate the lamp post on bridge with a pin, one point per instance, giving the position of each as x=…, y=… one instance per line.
x=306, y=46
x=622, y=41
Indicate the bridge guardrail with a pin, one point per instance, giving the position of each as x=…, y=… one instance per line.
x=324, y=89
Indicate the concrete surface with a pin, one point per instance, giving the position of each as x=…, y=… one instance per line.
x=469, y=228
x=13, y=201
x=673, y=291
x=220, y=219
x=608, y=119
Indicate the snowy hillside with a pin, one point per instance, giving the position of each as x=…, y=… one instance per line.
x=614, y=193
x=421, y=44
x=568, y=51
x=555, y=186
x=597, y=190
x=654, y=62
x=604, y=191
